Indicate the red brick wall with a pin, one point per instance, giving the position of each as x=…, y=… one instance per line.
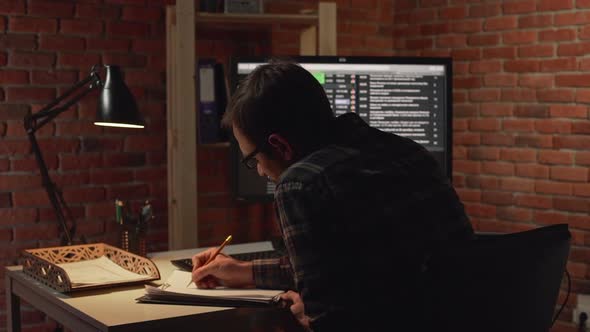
x=45, y=48
x=521, y=79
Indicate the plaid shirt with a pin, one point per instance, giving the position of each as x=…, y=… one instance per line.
x=359, y=218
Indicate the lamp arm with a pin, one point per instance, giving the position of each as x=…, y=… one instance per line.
x=37, y=120
x=54, y=195
x=34, y=122
x=58, y=110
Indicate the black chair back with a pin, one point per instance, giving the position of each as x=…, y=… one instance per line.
x=503, y=282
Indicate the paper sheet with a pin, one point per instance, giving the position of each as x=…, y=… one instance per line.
x=178, y=280
x=98, y=271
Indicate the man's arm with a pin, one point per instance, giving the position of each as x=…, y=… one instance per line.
x=301, y=211
x=273, y=273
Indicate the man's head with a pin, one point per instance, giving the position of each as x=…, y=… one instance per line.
x=280, y=112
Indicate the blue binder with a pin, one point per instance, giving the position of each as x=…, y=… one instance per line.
x=211, y=95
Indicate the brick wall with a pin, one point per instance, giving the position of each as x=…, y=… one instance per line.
x=45, y=48
x=521, y=129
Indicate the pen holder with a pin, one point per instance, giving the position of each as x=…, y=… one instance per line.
x=128, y=238
x=132, y=229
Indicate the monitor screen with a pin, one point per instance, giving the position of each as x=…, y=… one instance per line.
x=407, y=96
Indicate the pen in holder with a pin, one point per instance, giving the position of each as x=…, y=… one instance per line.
x=145, y=216
x=133, y=229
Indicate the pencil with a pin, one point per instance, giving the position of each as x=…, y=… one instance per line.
x=215, y=253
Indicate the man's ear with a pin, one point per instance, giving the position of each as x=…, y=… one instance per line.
x=281, y=146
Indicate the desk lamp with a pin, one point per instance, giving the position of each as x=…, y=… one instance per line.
x=116, y=108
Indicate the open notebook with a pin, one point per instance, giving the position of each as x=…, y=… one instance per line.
x=175, y=291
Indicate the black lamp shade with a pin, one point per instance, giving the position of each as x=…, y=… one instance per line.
x=116, y=104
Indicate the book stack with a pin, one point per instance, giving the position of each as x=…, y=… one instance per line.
x=176, y=291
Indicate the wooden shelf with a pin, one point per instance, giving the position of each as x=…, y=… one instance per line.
x=317, y=37
x=214, y=145
x=258, y=19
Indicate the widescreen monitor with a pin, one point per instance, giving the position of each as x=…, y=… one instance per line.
x=407, y=96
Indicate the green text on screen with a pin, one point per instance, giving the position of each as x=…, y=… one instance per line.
x=321, y=77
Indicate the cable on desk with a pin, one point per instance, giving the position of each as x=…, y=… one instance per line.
x=567, y=295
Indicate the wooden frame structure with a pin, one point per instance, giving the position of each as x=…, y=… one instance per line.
x=318, y=38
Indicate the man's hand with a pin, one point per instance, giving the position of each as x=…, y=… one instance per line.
x=222, y=271
x=297, y=308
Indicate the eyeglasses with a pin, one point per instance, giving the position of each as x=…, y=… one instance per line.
x=249, y=160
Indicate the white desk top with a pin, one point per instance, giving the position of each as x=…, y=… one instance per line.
x=115, y=309
x=230, y=249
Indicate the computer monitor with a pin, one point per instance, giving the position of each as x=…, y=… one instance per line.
x=408, y=96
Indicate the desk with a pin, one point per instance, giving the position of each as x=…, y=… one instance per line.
x=115, y=310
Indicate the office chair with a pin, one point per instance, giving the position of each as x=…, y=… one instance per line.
x=501, y=282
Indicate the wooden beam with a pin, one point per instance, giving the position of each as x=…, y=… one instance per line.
x=181, y=117
x=308, y=41
x=257, y=19
x=327, y=23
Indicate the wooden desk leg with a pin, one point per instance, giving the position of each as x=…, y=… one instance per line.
x=12, y=307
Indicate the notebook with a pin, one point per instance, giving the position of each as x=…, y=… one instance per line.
x=175, y=291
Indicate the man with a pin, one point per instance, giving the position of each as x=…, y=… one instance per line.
x=360, y=210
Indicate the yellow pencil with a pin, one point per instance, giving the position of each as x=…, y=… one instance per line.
x=215, y=253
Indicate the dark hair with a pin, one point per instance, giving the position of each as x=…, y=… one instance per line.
x=280, y=97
